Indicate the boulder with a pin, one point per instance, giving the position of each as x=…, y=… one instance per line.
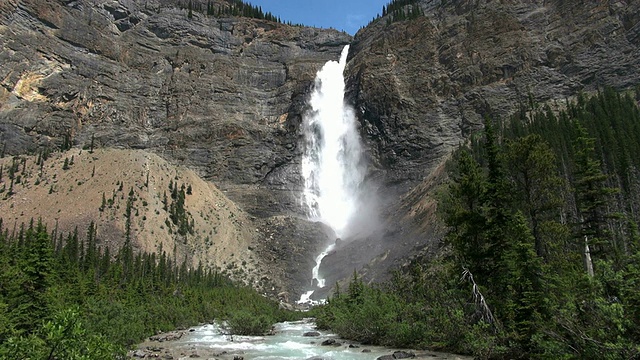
x=398, y=355
x=385, y=357
x=330, y=342
x=403, y=355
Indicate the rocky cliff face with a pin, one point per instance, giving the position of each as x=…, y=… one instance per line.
x=222, y=96
x=225, y=97
x=422, y=86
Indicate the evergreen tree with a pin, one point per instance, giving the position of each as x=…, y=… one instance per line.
x=36, y=263
x=533, y=171
x=463, y=210
x=591, y=198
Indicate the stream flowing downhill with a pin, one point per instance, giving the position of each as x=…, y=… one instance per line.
x=331, y=164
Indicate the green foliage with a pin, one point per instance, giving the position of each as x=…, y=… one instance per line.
x=423, y=308
x=179, y=216
x=591, y=194
x=62, y=337
x=65, y=298
x=519, y=207
x=229, y=8
x=247, y=323
x=538, y=194
x=400, y=10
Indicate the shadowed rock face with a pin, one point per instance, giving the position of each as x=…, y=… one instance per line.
x=225, y=97
x=421, y=86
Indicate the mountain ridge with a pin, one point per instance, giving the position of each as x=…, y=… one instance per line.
x=225, y=97
x=423, y=86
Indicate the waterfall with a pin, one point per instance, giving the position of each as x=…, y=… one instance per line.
x=331, y=164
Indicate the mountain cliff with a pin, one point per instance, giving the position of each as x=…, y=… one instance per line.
x=422, y=86
x=224, y=97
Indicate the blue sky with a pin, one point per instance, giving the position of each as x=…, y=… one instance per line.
x=347, y=15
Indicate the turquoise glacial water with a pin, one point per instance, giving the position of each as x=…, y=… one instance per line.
x=288, y=342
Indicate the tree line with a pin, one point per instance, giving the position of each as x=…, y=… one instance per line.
x=542, y=254
x=230, y=8
x=67, y=296
x=400, y=10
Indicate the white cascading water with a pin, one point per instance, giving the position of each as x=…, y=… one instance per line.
x=331, y=164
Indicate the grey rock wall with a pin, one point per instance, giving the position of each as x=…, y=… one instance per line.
x=421, y=87
x=221, y=95
x=225, y=96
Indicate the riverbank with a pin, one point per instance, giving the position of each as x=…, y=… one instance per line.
x=290, y=340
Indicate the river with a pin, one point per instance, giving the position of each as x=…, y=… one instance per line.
x=287, y=342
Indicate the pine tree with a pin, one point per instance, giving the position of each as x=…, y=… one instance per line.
x=591, y=198
x=463, y=210
x=91, y=258
x=533, y=171
x=10, y=192
x=522, y=294
x=497, y=200
x=165, y=202
x=127, y=215
x=493, y=240
x=37, y=266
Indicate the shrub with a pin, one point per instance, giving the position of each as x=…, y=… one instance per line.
x=243, y=322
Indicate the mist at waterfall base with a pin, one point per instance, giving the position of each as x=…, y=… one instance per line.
x=333, y=165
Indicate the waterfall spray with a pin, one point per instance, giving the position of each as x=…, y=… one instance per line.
x=331, y=164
